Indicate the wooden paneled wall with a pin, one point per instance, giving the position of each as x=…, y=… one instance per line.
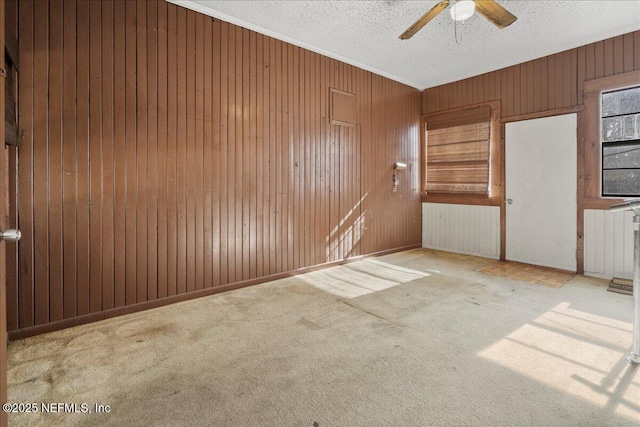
x=166, y=155
x=548, y=83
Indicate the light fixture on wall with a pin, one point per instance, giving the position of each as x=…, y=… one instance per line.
x=397, y=166
x=462, y=9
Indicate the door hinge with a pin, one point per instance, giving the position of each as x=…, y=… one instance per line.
x=3, y=72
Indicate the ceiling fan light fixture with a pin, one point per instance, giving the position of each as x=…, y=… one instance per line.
x=462, y=10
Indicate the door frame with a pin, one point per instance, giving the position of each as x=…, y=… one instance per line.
x=4, y=214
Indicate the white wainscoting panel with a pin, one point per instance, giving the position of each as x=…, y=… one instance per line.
x=608, y=244
x=472, y=230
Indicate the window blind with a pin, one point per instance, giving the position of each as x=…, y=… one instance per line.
x=458, y=152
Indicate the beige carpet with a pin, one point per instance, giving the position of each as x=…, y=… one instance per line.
x=529, y=273
x=411, y=339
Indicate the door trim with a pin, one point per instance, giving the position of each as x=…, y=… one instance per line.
x=4, y=211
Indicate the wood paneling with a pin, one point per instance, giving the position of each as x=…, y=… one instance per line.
x=168, y=155
x=548, y=83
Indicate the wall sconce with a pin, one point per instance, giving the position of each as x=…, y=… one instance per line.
x=397, y=166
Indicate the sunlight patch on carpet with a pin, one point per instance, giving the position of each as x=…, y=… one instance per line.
x=361, y=278
x=578, y=353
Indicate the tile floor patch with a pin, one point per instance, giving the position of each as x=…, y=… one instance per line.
x=528, y=273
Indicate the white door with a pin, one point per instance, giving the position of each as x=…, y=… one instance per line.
x=540, y=163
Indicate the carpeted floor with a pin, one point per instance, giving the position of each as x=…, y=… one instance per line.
x=410, y=339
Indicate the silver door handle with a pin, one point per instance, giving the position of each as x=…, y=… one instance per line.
x=10, y=235
x=509, y=201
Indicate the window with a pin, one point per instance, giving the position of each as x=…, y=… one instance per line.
x=607, y=170
x=458, y=152
x=621, y=142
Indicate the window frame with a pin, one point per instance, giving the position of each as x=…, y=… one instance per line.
x=592, y=138
x=604, y=144
x=496, y=163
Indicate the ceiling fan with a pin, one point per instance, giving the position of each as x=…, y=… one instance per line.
x=463, y=9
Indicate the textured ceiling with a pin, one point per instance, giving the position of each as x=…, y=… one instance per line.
x=365, y=33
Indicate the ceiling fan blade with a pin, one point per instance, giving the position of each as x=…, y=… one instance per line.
x=417, y=26
x=495, y=13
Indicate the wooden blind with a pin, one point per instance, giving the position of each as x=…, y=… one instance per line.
x=458, y=152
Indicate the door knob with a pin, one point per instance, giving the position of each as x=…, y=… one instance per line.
x=10, y=235
x=509, y=201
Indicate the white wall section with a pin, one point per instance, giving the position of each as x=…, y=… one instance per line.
x=608, y=244
x=472, y=230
